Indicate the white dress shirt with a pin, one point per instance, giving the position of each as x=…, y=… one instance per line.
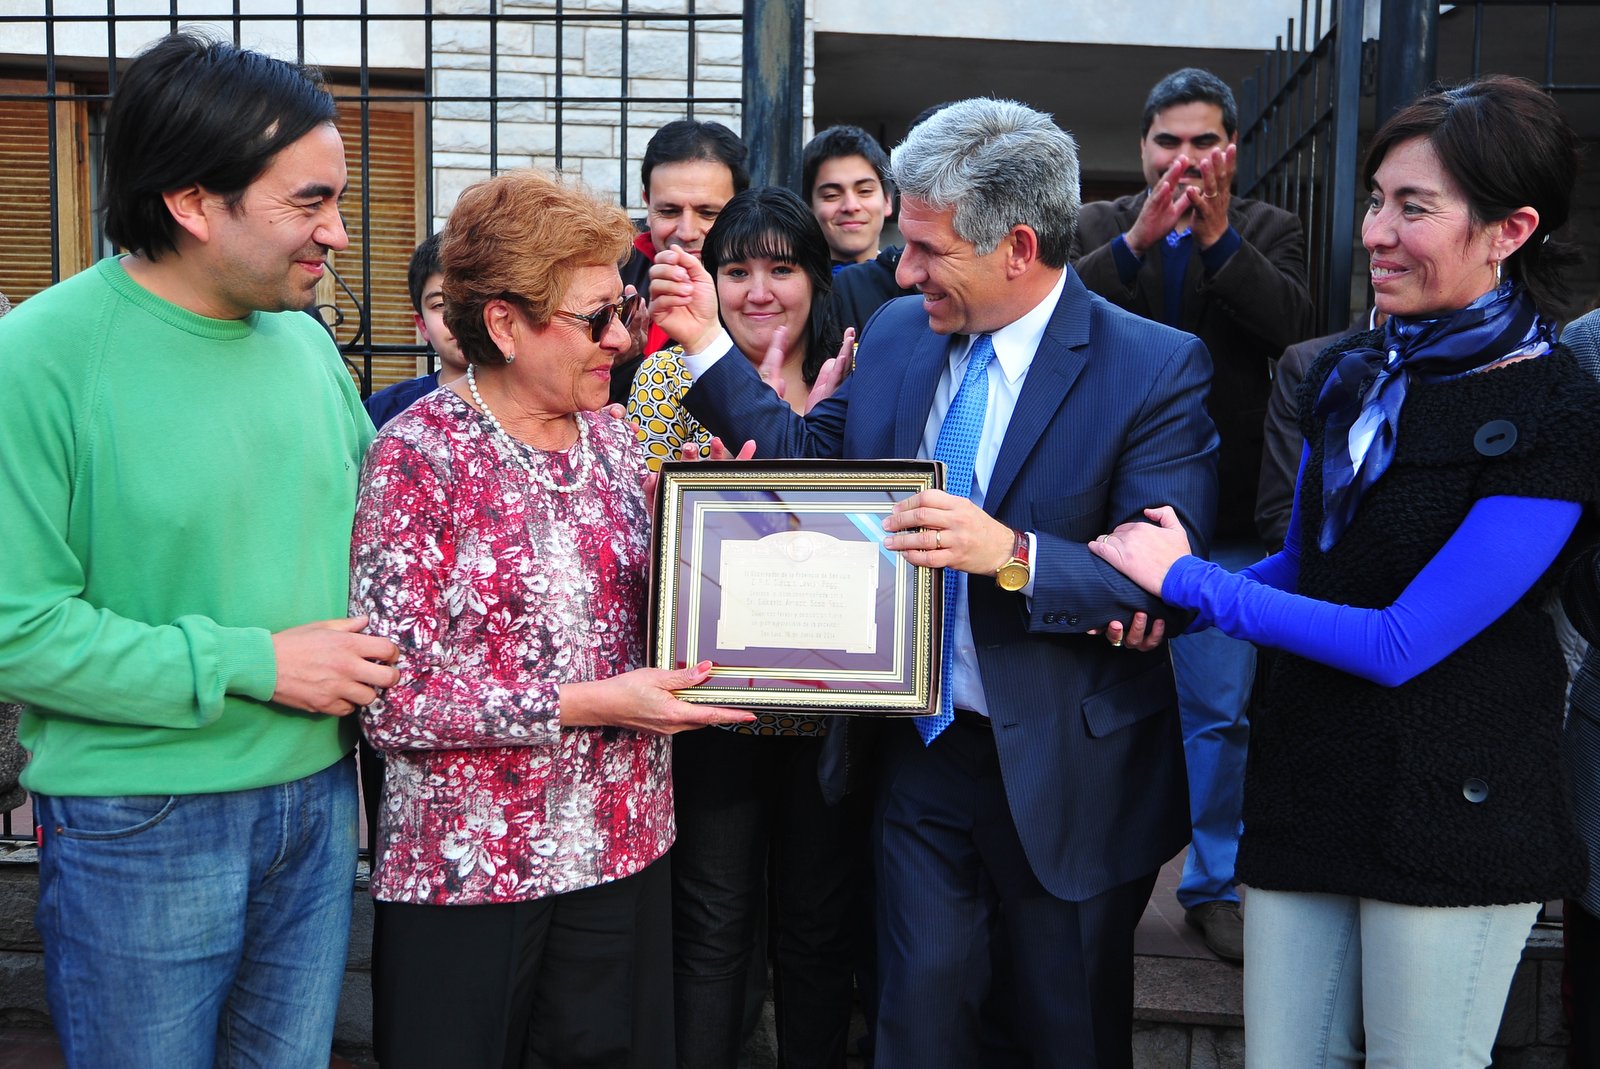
x=1014, y=348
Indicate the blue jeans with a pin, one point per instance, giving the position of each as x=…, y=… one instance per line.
x=1214, y=675
x=192, y=931
x=1334, y=982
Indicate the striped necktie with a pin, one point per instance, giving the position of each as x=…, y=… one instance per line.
x=958, y=448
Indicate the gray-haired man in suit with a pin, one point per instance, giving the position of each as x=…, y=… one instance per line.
x=1053, y=788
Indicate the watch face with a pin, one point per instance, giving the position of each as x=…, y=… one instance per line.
x=1013, y=575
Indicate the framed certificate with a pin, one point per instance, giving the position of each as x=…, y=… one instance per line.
x=775, y=571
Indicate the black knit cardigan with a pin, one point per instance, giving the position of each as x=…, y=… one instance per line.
x=1445, y=790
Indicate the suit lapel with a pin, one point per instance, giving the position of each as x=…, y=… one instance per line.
x=1056, y=366
x=927, y=361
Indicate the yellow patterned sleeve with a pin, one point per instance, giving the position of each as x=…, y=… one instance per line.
x=656, y=405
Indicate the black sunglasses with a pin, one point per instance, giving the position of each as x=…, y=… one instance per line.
x=600, y=318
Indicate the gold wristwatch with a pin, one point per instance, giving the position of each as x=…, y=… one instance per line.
x=1014, y=573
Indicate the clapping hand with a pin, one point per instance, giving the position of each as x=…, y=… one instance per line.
x=1210, y=199
x=638, y=326
x=1168, y=202
x=691, y=451
x=829, y=376
x=717, y=451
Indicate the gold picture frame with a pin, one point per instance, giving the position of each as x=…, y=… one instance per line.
x=775, y=571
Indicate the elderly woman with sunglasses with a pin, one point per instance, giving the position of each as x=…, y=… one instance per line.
x=502, y=541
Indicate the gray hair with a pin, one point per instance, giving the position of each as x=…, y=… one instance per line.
x=998, y=163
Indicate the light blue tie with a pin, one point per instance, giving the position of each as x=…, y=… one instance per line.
x=958, y=448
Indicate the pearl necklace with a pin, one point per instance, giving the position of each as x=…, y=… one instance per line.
x=582, y=463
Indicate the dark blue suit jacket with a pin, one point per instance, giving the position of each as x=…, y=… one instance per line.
x=390, y=401
x=1111, y=420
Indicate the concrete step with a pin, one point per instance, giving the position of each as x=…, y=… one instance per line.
x=1188, y=1005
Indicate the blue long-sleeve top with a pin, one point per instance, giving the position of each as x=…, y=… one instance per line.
x=1500, y=550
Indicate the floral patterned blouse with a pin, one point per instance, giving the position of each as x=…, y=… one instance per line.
x=496, y=591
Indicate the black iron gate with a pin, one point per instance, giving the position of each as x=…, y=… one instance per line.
x=1317, y=97
x=1297, y=142
x=429, y=99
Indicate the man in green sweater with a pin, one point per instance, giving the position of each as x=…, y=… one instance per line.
x=179, y=450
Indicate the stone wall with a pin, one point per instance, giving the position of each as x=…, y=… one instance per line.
x=593, y=137
x=21, y=963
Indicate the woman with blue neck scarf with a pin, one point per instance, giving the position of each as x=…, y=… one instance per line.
x=1404, y=814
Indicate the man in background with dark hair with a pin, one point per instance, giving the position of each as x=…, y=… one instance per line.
x=425, y=280
x=180, y=448
x=689, y=171
x=1190, y=254
x=844, y=177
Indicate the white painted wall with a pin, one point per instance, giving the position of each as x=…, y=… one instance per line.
x=329, y=43
x=1194, y=24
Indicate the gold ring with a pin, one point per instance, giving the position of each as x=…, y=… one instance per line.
x=1103, y=538
x=1208, y=196
x=936, y=542
x=1116, y=641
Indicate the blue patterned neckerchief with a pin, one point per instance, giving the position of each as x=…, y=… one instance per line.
x=1360, y=402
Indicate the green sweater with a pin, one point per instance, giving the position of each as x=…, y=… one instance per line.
x=173, y=489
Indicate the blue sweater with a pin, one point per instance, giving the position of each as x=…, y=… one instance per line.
x=1468, y=585
x=390, y=401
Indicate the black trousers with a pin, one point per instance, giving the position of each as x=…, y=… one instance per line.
x=554, y=983
x=1580, y=984
x=739, y=797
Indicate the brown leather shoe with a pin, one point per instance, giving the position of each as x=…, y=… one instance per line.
x=1222, y=925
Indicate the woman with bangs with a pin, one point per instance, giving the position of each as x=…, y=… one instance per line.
x=502, y=541
x=774, y=280
x=747, y=792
